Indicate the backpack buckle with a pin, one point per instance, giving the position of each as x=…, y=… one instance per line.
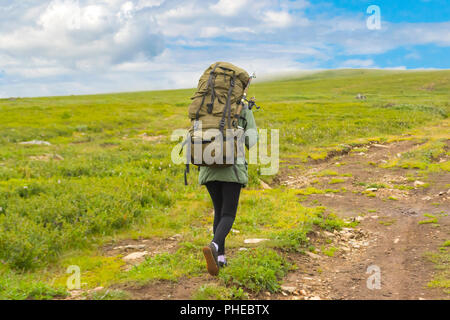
x=222, y=124
x=210, y=107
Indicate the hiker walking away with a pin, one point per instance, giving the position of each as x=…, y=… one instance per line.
x=224, y=186
x=220, y=103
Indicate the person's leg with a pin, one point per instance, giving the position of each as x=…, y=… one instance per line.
x=215, y=191
x=230, y=200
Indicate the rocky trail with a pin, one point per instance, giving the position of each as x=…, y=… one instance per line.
x=383, y=257
x=388, y=240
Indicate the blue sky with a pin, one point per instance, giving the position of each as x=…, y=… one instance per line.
x=62, y=47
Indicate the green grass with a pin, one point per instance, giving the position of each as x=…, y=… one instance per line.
x=295, y=239
x=95, y=270
x=336, y=180
x=166, y=266
x=425, y=157
x=329, y=251
x=388, y=222
x=109, y=183
x=441, y=260
x=256, y=270
x=14, y=286
x=219, y=292
x=327, y=173
x=433, y=219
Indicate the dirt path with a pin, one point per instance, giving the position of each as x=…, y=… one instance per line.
x=394, y=243
x=387, y=203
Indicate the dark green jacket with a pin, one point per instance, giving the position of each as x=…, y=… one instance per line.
x=239, y=173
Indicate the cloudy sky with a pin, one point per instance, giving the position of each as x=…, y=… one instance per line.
x=62, y=47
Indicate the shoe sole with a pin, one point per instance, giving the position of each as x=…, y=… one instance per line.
x=213, y=268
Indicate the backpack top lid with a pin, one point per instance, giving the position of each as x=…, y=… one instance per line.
x=218, y=96
x=241, y=74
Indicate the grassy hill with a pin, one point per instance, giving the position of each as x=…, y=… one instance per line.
x=107, y=175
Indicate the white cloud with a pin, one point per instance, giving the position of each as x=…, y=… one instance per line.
x=277, y=19
x=228, y=7
x=71, y=36
x=56, y=47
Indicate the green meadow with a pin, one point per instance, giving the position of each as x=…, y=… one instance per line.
x=107, y=175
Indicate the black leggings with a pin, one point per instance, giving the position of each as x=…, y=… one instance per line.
x=225, y=197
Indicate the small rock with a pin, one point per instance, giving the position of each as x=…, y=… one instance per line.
x=313, y=255
x=427, y=198
x=264, y=185
x=58, y=157
x=288, y=289
x=36, y=142
x=253, y=241
x=396, y=240
x=418, y=183
x=97, y=289
x=267, y=293
x=135, y=256
x=372, y=189
x=328, y=234
x=441, y=193
x=75, y=294
x=243, y=249
x=130, y=246
x=302, y=292
x=175, y=236
x=410, y=212
x=374, y=217
x=314, y=298
x=379, y=145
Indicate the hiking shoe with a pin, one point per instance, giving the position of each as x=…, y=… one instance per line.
x=223, y=264
x=210, y=253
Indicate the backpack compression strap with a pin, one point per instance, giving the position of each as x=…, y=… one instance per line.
x=227, y=109
x=213, y=94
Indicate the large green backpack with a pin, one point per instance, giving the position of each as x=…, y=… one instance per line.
x=216, y=107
